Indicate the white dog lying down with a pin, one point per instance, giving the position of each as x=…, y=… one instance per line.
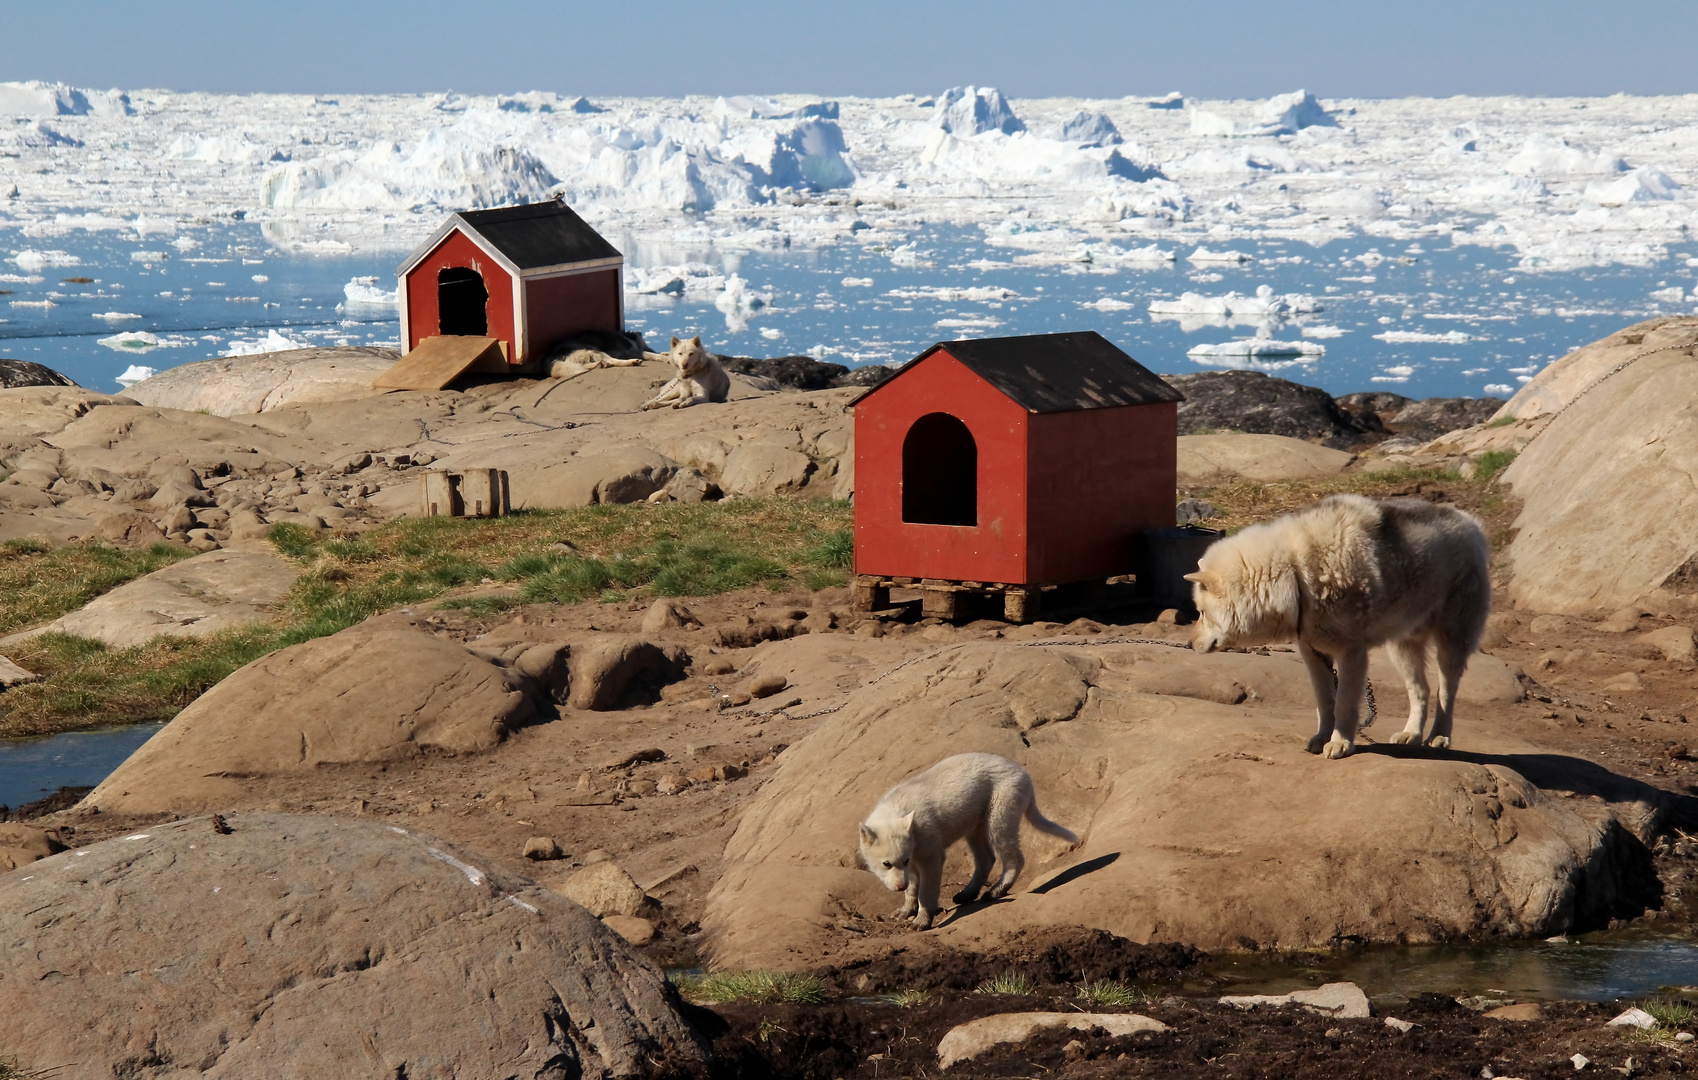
x=979, y=797
x=593, y=349
x=1346, y=575
x=700, y=379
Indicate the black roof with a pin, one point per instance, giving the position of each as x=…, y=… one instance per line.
x=539, y=234
x=1047, y=373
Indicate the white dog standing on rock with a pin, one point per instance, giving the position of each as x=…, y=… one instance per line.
x=979, y=797
x=1346, y=575
x=701, y=378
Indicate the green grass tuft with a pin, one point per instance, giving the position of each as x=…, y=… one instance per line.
x=1502, y=421
x=759, y=987
x=292, y=540
x=1009, y=982
x=1490, y=463
x=907, y=999
x=1105, y=993
x=1671, y=1012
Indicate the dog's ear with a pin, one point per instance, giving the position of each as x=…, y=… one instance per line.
x=696, y=341
x=674, y=343
x=868, y=836
x=908, y=823
x=1208, y=579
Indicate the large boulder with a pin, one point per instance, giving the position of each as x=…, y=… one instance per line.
x=1565, y=379
x=238, y=385
x=306, y=946
x=197, y=597
x=22, y=844
x=1203, y=820
x=1218, y=458
x=765, y=467
x=27, y=413
x=17, y=373
x=384, y=690
x=1609, y=512
x=1259, y=404
x=622, y=474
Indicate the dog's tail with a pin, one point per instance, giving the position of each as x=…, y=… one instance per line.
x=1044, y=824
x=656, y=355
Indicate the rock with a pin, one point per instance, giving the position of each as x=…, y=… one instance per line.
x=666, y=614
x=964, y=1042
x=1684, y=1036
x=20, y=373
x=1402, y=1027
x=634, y=930
x=234, y=386
x=671, y=783
x=766, y=685
x=595, y=855
x=1344, y=1000
x=867, y=375
x=719, y=665
x=13, y=675
x=1635, y=1017
x=689, y=486
x=763, y=469
x=129, y=529
x=1627, y=682
x=1193, y=510
x=622, y=761
x=1565, y=379
x=548, y=664
x=286, y=947
x=194, y=598
x=1674, y=642
x=1527, y=1010
x=1258, y=404
x=1620, y=622
x=793, y=372
x=604, y=889
x=22, y=844
x=1428, y=419
x=380, y=691
x=1110, y=735
x=1214, y=459
x=622, y=474
x=542, y=849
x=613, y=666
x=1608, y=510
x=1579, y=1061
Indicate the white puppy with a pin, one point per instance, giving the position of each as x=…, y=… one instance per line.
x=1346, y=575
x=701, y=378
x=979, y=797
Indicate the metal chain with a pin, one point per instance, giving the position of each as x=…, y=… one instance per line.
x=1367, y=684
x=1608, y=375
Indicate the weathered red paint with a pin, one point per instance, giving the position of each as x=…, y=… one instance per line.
x=1061, y=495
x=558, y=307
x=457, y=250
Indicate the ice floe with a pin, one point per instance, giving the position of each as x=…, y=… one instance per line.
x=134, y=374
x=364, y=292
x=1411, y=337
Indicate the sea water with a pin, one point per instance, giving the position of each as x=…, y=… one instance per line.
x=1422, y=319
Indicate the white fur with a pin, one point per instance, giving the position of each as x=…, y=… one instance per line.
x=1346, y=575
x=977, y=797
x=700, y=379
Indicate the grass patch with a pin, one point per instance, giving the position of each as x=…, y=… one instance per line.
x=1490, y=463
x=610, y=553
x=758, y=987
x=1502, y=421
x=1246, y=502
x=1107, y=994
x=907, y=999
x=1009, y=982
x=1671, y=1013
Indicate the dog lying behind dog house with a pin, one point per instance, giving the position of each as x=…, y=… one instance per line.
x=1341, y=577
x=977, y=797
x=701, y=378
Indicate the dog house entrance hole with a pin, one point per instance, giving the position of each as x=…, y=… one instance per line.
x=460, y=300
x=940, y=472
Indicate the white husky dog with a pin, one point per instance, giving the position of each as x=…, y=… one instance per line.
x=700, y=379
x=980, y=797
x=1346, y=575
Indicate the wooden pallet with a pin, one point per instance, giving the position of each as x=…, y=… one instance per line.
x=439, y=360
x=941, y=599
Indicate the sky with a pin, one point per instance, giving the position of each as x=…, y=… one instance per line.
x=1030, y=48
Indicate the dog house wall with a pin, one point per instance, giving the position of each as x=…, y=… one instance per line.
x=560, y=305
x=992, y=550
x=421, y=315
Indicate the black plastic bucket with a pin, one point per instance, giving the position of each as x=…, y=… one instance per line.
x=1168, y=555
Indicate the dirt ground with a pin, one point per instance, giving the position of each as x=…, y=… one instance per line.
x=554, y=779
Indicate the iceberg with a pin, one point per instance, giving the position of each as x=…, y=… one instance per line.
x=271, y=342
x=975, y=110
x=134, y=374
x=57, y=99
x=1090, y=129
x=363, y=292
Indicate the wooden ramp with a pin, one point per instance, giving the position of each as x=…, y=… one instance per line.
x=440, y=360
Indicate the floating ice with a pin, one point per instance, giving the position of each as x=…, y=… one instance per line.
x=134, y=374
x=1257, y=347
x=115, y=316
x=147, y=256
x=1204, y=255
x=951, y=293
x=43, y=304
x=1107, y=303
x=857, y=282
x=30, y=259
x=1546, y=156
x=57, y=99
x=133, y=341
x=1090, y=129
x=1411, y=337
x=738, y=302
x=975, y=110
x=1324, y=331
x=363, y=292
x=271, y=342
x=1264, y=304
x=1674, y=294
x=450, y=168
x=1645, y=184
x=1282, y=115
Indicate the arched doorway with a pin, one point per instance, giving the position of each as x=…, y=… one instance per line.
x=460, y=302
x=940, y=472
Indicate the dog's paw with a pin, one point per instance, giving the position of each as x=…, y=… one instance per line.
x=965, y=896
x=1337, y=748
x=923, y=921
x=1439, y=742
x=1317, y=743
x=1406, y=737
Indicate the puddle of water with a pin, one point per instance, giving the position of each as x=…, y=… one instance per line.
x=35, y=768
x=1597, y=967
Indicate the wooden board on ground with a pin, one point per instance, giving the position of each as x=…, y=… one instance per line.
x=439, y=360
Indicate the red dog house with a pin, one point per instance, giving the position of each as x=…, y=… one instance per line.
x=528, y=276
x=1008, y=464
